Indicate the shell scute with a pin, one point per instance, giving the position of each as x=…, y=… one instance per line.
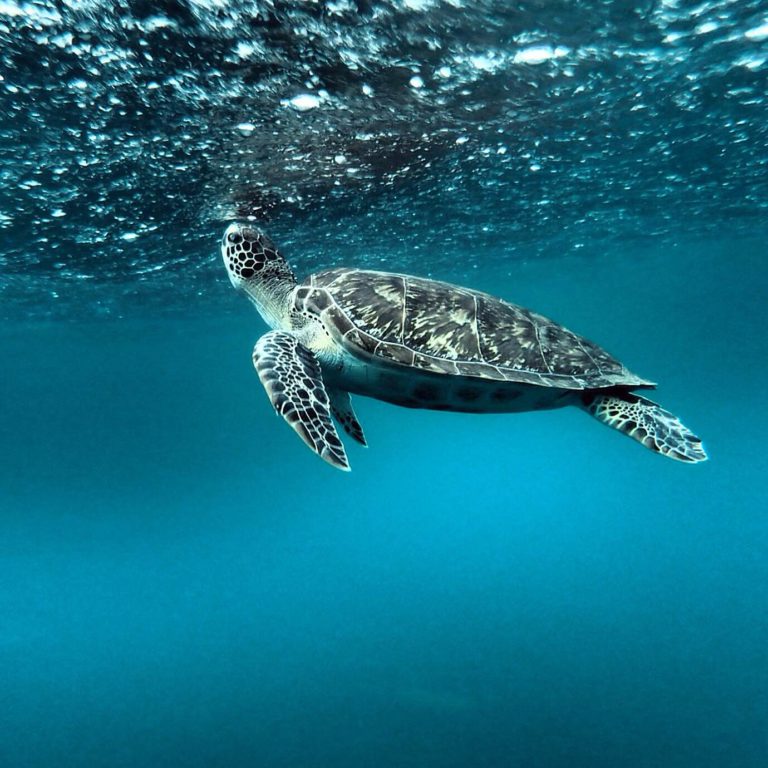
x=334, y=317
x=439, y=322
x=396, y=353
x=374, y=306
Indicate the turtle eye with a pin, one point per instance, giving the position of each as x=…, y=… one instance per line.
x=233, y=237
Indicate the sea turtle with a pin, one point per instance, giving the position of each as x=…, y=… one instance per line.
x=423, y=344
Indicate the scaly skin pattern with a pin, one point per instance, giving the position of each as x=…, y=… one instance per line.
x=292, y=377
x=646, y=422
x=341, y=408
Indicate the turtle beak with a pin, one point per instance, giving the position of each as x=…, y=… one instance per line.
x=232, y=229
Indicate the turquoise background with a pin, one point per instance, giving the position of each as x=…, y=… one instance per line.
x=184, y=583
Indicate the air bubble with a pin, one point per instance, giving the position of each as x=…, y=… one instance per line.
x=303, y=102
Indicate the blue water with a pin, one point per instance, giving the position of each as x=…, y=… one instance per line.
x=183, y=583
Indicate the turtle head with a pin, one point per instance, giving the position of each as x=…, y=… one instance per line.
x=252, y=258
x=257, y=268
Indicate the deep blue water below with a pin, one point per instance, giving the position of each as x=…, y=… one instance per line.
x=182, y=583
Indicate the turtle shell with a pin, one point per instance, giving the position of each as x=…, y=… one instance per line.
x=443, y=328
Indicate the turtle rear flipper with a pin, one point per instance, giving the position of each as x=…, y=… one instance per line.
x=341, y=408
x=293, y=379
x=645, y=421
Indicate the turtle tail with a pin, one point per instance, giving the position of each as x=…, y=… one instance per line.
x=646, y=422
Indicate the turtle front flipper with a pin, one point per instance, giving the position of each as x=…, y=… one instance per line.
x=645, y=421
x=293, y=379
x=341, y=408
